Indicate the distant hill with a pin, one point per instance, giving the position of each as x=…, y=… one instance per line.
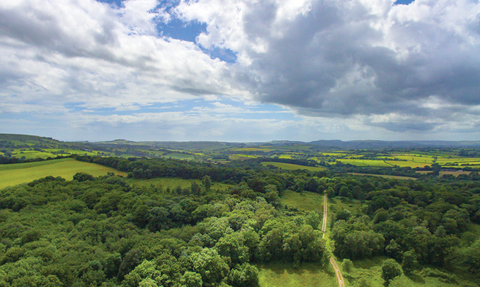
x=372, y=144
x=27, y=140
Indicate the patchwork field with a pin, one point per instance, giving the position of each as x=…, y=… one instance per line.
x=13, y=174
x=45, y=153
x=289, y=166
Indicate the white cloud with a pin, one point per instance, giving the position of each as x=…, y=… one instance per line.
x=344, y=66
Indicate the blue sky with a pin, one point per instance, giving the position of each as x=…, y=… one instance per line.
x=240, y=70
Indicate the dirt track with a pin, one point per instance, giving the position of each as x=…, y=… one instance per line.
x=341, y=282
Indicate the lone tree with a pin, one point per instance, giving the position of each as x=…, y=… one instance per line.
x=207, y=183
x=390, y=270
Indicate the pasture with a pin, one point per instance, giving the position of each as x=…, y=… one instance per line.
x=289, y=166
x=308, y=201
x=13, y=174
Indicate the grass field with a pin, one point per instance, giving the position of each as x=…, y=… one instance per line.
x=307, y=275
x=252, y=149
x=307, y=201
x=13, y=174
x=241, y=156
x=371, y=270
x=338, y=203
x=289, y=166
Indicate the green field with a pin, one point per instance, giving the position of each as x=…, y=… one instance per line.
x=252, y=149
x=13, y=174
x=289, y=166
x=308, y=274
x=308, y=201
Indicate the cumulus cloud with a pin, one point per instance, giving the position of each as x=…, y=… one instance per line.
x=351, y=65
x=330, y=58
x=87, y=52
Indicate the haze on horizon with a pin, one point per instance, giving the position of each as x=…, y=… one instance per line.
x=240, y=70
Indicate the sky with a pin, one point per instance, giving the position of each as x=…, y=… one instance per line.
x=240, y=70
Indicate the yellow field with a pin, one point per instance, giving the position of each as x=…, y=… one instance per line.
x=289, y=166
x=241, y=156
x=285, y=156
x=13, y=174
x=361, y=162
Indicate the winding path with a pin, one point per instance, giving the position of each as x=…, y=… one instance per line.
x=341, y=282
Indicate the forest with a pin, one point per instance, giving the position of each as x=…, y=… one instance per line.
x=104, y=231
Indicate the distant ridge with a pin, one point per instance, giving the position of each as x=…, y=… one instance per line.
x=321, y=144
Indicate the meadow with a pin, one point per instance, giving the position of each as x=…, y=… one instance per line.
x=307, y=201
x=176, y=155
x=278, y=274
x=13, y=174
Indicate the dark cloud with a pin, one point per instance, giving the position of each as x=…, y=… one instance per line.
x=335, y=61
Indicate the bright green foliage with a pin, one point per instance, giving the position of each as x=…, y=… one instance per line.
x=233, y=245
x=472, y=257
x=390, y=270
x=347, y=265
x=191, y=279
x=244, y=275
x=208, y=263
x=355, y=240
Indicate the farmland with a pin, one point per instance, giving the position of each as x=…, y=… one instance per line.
x=14, y=174
x=263, y=202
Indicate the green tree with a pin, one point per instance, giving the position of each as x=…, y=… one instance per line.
x=347, y=265
x=191, y=279
x=390, y=270
x=207, y=183
x=330, y=192
x=209, y=265
x=409, y=262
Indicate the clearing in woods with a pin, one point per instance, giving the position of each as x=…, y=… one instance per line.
x=13, y=174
